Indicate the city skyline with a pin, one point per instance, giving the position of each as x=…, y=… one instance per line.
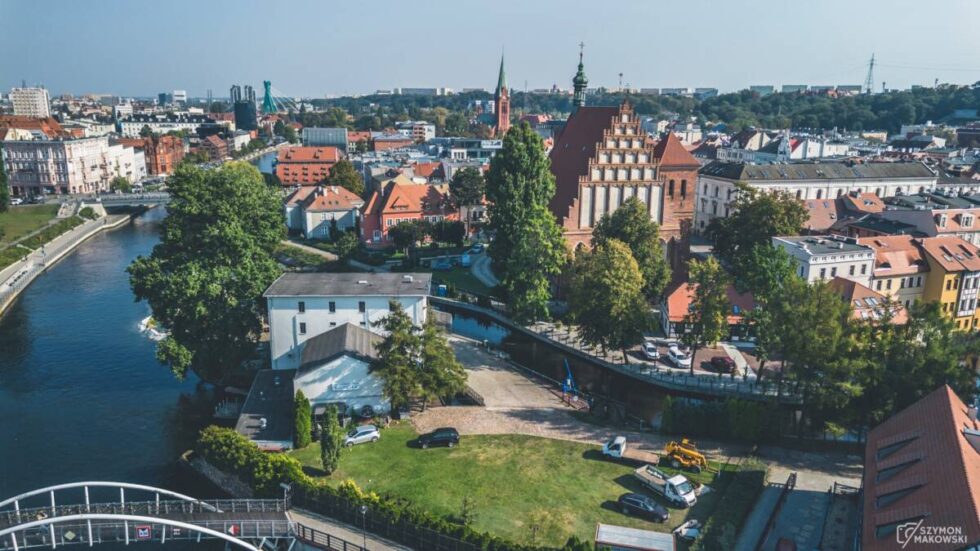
x=342, y=50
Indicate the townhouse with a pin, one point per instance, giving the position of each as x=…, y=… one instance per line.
x=400, y=202
x=954, y=278
x=822, y=258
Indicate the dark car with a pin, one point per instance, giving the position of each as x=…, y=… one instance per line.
x=446, y=436
x=642, y=506
x=722, y=364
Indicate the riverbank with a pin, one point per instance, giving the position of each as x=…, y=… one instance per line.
x=19, y=275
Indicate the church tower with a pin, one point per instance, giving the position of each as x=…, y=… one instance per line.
x=580, y=81
x=502, y=98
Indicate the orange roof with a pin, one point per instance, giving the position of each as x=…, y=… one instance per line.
x=300, y=154
x=331, y=198
x=923, y=462
x=48, y=125
x=358, y=136
x=680, y=296
x=896, y=255
x=952, y=253
x=823, y=213
x=955, y=219
x=671, y=153
x=409, y=198
x=426, y=170
x=863, y=202
x=297, y=197
x=864, y=309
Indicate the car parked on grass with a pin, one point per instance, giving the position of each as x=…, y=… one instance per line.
x=16, y=201
x=643, y=506
x=361, y=435
x=446, y=436
x=722, y=364
x=650, y=351
x=678, y=357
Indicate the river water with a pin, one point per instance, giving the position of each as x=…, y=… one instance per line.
x=81, y=395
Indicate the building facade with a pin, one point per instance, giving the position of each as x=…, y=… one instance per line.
x=901, y=270
x=30, y=102
x=404, y=202
x=304, y=305
x=305, y=166
x=954, y=279
x=85, y=165
x=822, y=258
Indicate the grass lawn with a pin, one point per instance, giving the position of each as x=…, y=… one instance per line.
x=22, y=220
x=462, y=279
x=513, y=481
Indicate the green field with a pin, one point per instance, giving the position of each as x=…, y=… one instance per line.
x=513, y=482
x=22, y=220
x=462, y=279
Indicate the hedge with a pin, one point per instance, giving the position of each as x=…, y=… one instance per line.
x=721, y=529
x=264, y=472
x=754, y=422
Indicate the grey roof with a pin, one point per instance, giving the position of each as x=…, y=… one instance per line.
x=633, y=538
x=270, y=398
x=323, y=284
x=348, y=339
x=818, y=245
x=815, y=171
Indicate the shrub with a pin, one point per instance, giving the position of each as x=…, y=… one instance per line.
x=736, y=502
x=732, y=419
x=88, y=213
x=302, y=421
x=331, y=440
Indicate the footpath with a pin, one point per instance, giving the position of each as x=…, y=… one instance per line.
x=16, y=277
x=344, y=531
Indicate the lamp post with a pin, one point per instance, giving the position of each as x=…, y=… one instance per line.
x=364, y=510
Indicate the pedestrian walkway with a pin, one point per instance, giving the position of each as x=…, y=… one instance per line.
x=312, y=250
x=346, y=532
x=755, y=524
x=481, y=270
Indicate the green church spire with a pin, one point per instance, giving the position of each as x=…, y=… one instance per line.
x=502, y=78
x=580, y=81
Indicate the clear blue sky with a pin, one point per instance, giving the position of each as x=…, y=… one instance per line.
x=316, y=48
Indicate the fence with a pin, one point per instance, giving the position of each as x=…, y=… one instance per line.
x=324, y=540
x=771, y=523
x=381, y=524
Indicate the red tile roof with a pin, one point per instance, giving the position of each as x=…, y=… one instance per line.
x=857, y=296
x=863, y=202
x=823, y=213
x=427, y=170
x=410, y=198
x=952, y=253
x=301, y=154
x=305, y=165
x=331, y=198
x=671, y=153
x=930, y=452
x=896, y=255
x=48, y=125
x=680, y=295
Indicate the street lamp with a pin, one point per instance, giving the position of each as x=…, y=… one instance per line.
x=364, y=510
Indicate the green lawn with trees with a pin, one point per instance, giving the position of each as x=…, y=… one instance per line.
x=510, y=482
x=19, y=221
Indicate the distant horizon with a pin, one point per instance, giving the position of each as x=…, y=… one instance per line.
x=347, y=50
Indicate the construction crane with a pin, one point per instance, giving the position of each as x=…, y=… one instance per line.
x=869, y=81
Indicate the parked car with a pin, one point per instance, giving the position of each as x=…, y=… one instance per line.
x=650, y=351
x=722, y=364
x=16, y=201
x=643, y=506
x=678, y=357
x=445, y=436
x=477, y=248
x=362, y=434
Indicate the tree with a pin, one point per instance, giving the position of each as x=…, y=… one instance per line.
x=120, y=184
x=707, y=321
x=448, y=231
x=217, y=107
x=397, y=361
x=606, y=297
x=205, y=279
x=344, y=175
x=528, y=248
x=347, y=244
x=440, y=374
x=408, y=233
x=631, y=224
x=146, y=131
x=467, y=189
x=302, y=421
x=765, y=270
x=4, y=188
x=756, y=218
x=331, y=440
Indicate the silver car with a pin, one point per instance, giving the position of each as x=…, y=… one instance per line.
x=362, y=434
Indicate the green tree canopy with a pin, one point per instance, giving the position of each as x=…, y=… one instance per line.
x=440, y=374
x=408, y=233
x=606, y=297
x=468, y=186
x=205, y=279
x=528, y=248
x=331, y=440
x=344, y=174
x=707, y=321
x=121, y=184
x=302, y=421
x=397, y=361
x=631, y=225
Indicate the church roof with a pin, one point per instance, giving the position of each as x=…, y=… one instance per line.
x=502, y=77
x=575, y=145
x=670, y=152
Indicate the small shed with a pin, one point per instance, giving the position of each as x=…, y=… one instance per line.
x=621, y=538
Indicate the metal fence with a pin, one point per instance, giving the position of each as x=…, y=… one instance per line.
x=771, y=523
x=379, y=523
x=324, y=540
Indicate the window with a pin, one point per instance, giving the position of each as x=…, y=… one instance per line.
x=670, y=189
x=333, y=307
x=918, y=281
x=823, y=273
x=949, y=284
x=850, y=270
x=361, y=307
x=683, y=189
x=885, y=451
x=878, y=285
x=889, y=284
x=864, y=269
x=302, y=328
x=301, y=307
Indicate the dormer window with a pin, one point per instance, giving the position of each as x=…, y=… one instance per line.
x=967, y=221
x=941, y=221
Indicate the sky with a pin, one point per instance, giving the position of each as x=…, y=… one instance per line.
x=318, y=48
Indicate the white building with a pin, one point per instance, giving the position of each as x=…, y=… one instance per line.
x=85, y=165
x=162, y=123
x=180, y=96
x=822, y=258
x=304, y=305
x=419, y=131
x=238, y=140
x=718, y=182
x=30, y=102
x=314, y=210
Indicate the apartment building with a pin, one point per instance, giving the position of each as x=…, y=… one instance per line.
x=822, y=258
x=954, y=278
x=901, y=270
x=30, y=102
x=85, y=165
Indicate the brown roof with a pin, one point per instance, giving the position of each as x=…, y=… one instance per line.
x=427, y=170
x=823, y=213
x=955, y=219
x=680, y=295
x=48, y=125
x=952, y=253
x=332, y=198
x=300, y=154
x=297, y=196
x=896, y=255
x=409, y=198
x=863, y=202
x=671, y=153
x=575, y=145
x=857, y=295
x=926, y=460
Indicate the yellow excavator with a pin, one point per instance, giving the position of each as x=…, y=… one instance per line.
x=685, y=454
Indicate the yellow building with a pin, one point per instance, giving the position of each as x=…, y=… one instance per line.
x=901, y=270
x=954, y=278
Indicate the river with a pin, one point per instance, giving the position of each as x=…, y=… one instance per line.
x=81, y=395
